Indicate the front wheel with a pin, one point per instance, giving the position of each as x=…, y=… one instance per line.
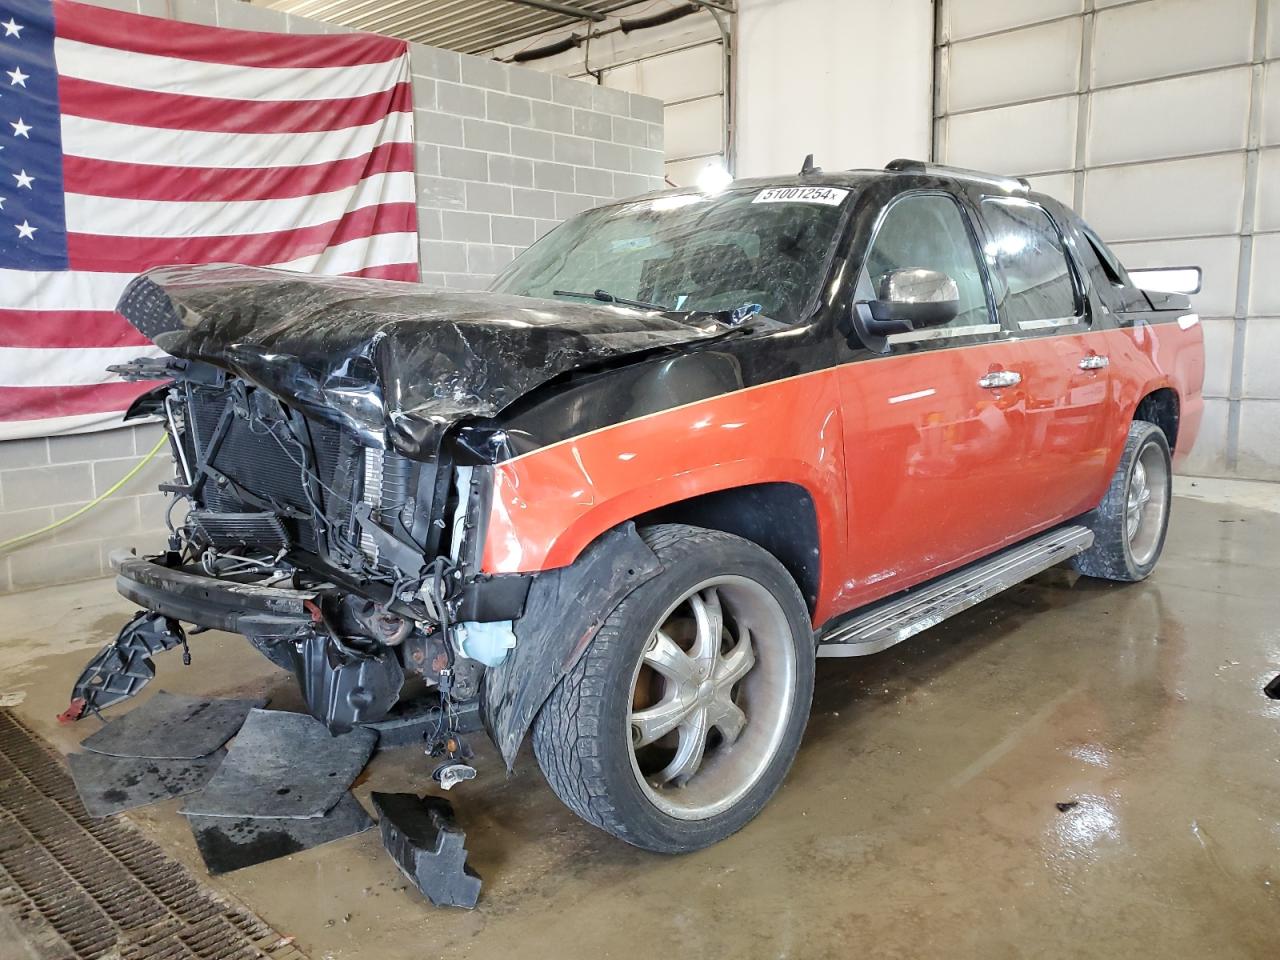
x=684, y=714
x=1130, y=523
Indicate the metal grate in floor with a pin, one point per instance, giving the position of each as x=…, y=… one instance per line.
x=84, y=888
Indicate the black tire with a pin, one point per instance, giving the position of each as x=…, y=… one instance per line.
x=581, y=736
x=1112, y=557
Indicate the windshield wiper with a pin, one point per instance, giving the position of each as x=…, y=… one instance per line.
x=604, y=296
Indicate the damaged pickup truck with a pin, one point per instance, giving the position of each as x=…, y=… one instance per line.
x=684, y=445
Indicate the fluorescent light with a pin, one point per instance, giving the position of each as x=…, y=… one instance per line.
x=714, y=177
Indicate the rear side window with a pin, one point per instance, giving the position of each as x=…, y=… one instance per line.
x=1027, y=256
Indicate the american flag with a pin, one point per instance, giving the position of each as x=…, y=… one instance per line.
x=129, y=141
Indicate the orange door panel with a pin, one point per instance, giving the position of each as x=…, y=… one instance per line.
x=933, y=461
x=1069, y=411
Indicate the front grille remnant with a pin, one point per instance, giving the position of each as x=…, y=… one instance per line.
x=85, y=888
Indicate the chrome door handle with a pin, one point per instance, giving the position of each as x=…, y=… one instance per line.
x=1094, y=362
x=1000, y=378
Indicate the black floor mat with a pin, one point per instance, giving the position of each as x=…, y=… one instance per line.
x=109, y=785
x=283, y=765
x=171, y=726
x=227, y=844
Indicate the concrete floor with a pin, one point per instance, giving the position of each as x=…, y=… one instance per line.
x=919, y=820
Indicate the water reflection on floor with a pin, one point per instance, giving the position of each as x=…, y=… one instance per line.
x=1072, y=769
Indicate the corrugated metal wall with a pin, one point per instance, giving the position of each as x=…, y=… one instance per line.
x=679, y=63
x=1160, y=121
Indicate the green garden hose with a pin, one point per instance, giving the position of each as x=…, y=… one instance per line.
x=6, y=544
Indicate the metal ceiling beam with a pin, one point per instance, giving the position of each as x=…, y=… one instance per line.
x=567, y=9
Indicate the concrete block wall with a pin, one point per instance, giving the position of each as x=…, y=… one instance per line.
x=45, y=479
x=503, y=155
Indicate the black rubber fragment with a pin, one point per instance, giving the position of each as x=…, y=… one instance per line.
x=283, y=765
x=172, y=726
x=226, y=844
x=1272, y=689
x=109, y=785
x=428, y=847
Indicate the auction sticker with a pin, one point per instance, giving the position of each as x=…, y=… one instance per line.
x=828, y=196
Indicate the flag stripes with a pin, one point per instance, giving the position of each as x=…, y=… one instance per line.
x=168, y=142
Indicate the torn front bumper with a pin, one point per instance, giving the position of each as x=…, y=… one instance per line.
x=342, y=688
x=245, y=608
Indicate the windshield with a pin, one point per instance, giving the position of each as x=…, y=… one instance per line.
x=691, y=252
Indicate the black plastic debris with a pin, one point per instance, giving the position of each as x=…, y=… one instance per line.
x=283, y=765
x=123, y=667
x=109, y=785
x=428, y=846
x=226, y=844
x=1272, y=689
x=171, y=726
x=1066, y=805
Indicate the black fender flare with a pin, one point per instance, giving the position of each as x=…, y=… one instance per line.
x=565, y=608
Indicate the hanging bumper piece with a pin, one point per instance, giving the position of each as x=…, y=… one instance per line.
x=122, y=668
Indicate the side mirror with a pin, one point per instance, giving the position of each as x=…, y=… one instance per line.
x=910, y=300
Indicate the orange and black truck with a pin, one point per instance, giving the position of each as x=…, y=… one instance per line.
x=682, y=447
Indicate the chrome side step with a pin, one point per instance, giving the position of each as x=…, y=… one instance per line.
x=893, y=620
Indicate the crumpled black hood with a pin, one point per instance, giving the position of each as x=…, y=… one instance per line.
x=395, y=361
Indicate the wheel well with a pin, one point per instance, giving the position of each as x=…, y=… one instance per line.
x=1161, y=408
x=779, y=517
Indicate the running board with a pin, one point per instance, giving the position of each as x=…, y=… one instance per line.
x=894, y=620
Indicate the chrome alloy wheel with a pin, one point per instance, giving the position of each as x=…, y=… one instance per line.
x=710, y=697
x=1146, y=503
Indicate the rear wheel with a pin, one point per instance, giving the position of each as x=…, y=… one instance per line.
x=685, y=713
x=1130, y=523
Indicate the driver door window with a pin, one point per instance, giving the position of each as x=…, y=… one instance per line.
x=928, y=231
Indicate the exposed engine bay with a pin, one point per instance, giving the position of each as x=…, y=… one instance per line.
x=332, y=487
x=268, y=499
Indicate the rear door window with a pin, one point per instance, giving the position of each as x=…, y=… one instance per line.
x=1027, y=256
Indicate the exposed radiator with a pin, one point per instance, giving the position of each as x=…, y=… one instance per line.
x=270, y=469
x=386, y=489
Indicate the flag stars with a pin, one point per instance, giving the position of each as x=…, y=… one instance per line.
x=17, y=78
x=21, y=129
x=25, y=230
x=24, y=180
x=12, y=29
